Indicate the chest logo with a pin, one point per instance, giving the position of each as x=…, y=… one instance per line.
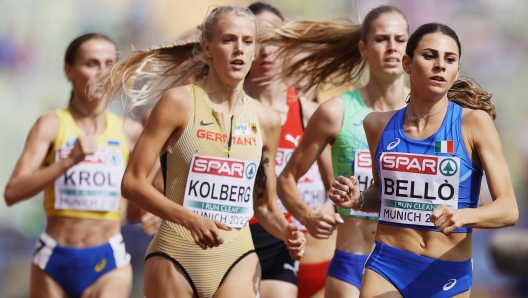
x=449, y=285
x=393, y=144
x=295, y=140
x=202, y=123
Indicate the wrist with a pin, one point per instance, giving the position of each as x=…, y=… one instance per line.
x=360, y=203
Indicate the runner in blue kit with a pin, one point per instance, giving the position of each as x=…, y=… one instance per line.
x=430, y=158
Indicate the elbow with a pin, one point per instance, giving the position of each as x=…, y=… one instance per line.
x=512, y=218
x=10, y=197
x=127, y=188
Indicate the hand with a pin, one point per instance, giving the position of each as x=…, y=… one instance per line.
x=295, y=241
x=150, y=223
x=85, y=145
x=322, y=222
x=446, y=219
x=345, y=192
x=205, y=231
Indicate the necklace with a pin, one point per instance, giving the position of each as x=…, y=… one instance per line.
x=414, y=118
x=227, y=88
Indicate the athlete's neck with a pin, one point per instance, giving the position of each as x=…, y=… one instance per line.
x=385, y=94
x=89, y=116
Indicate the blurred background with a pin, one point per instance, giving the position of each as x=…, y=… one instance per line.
x=35, y=33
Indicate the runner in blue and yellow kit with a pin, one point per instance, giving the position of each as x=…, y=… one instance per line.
x=78, y=155
x=217, y=148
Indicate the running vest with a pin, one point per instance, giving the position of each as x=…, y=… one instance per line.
x=92, y=188
x=209, y=174
x=416, y=176
x=310, y=185
x=350, y=152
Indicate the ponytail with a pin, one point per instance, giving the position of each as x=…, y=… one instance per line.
x=468, y=94
x=332, y=48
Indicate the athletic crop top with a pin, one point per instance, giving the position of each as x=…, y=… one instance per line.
x=92, y=188
x=350, y=153
x=416, y=176
x=209, y=174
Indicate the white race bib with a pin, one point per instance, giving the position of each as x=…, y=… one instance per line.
x=221, y=189
x=310, y=185
x=413, y=185
x=93, y=184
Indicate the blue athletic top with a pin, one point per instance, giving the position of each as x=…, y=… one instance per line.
x=419, y=175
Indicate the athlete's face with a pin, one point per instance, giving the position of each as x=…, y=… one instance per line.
x=265, y=64
x=385, y=45
x=435, y=65
x=92, y=58
x=232, y=47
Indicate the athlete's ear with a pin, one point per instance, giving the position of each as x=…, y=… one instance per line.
x=361, y=47
x=206, y=49
x=67, y=71
x=406, y=63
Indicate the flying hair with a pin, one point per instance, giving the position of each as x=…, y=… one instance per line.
x=145, y=75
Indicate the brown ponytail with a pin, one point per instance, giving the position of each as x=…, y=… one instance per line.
x=332, y=47
x=468, y=94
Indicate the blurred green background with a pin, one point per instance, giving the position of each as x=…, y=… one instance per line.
x=35, y=33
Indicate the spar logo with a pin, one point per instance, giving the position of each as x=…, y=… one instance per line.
x=448, y=167
x=363, y=159
x=410, y=163
x=219, y=167
x=98, y=156
x=251, y=170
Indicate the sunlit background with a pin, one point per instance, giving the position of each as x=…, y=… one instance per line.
x=35, y=33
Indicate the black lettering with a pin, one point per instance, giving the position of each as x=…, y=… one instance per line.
x=84, y=176
x=241, y=191
x=450, y=188
x=400, y=186
x=364, y=182
x=192, y=187
x=110, y=180
x=232, y=192
x=223, y=192
x=426, y=196
x=69, y=177
x=389, y=186
x=427, y=217
x=417, y=216
x=412, y=192
x=212, y=193
x=202, y=189
x=247, y=194
x=101, y=182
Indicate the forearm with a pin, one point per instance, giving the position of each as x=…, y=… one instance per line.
x=291, y=198
x=141, y=193
x=490, y=216
x=272, y=219
x=371, y=201
x=26, y=186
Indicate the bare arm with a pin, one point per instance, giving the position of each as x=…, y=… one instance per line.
x=266, y=209
x=27, y=180
x=484, y=147
x=163, y=124
x=322, y=130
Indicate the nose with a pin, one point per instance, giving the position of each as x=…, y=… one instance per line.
x=440, y=64
x=239, y=48
x=391, y=45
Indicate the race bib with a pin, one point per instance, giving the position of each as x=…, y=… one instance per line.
x=93, y=184
x=413, y=185
x=221, y=189
x=363, y=172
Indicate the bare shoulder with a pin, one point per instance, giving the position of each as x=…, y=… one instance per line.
x=180, y=96
x=331, y=110
x=475, y=119
x=47, y=126
x=174, y=106
x=376, y=121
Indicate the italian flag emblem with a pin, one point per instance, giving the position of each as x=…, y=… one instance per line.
x=444, y=147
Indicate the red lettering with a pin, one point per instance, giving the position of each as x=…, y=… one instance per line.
x=200, y=133
x=410, y=163
x=219, y=167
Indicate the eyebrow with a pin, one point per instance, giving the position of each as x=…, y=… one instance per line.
x=436, y=51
